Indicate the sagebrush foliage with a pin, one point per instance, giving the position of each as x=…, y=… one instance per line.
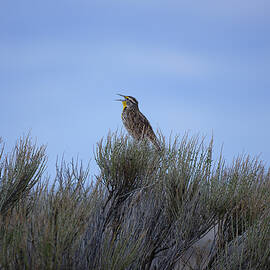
x=145, y=209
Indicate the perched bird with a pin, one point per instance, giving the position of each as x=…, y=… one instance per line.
x=135, y=122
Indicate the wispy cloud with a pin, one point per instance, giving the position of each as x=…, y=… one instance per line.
x=159, y=60
x=230, y=8
x=82, y=55
x=140, y=59
x=237, y=9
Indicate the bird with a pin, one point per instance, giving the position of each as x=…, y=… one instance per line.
x=135, y=122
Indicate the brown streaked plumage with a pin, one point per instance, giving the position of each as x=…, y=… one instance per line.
x=135, y=122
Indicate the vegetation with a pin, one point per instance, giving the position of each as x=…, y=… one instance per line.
x=145, y=210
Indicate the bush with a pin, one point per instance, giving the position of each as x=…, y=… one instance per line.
x=145, y=209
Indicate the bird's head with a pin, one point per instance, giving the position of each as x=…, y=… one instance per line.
x=128, y=101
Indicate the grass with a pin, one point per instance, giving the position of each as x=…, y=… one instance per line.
x=145, y=209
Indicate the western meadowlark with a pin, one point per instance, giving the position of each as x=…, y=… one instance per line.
x=135, y=122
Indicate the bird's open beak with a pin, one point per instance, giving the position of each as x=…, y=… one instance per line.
x=121, y=99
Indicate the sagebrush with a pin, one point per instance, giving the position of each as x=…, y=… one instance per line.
x=145, y=210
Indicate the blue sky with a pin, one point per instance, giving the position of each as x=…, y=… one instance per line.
x=198, y=66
